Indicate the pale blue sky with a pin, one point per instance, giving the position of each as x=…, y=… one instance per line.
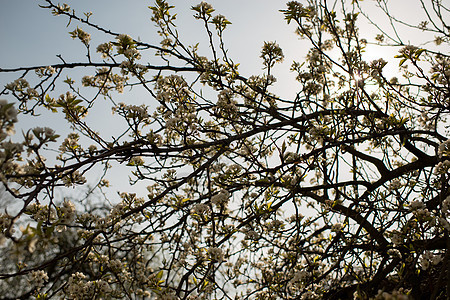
x=32, y=36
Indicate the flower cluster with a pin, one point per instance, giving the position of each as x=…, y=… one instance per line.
x=441, y=72
x=44, y=134
x=425, y=121
x=8, y=116
x=136, y=161
x=5, y=222
x=80, y=288
x=83, y=36
x=220, y=22
x=290, y=157
x=419, y=210
x=203, y=10
x=215, y=254
x=126, y=46
x=105, y=80
x=395, y=184
x=444, y=149
x=396, y=237
x=200, y=209
x=10, y=152
x=105, y=49
x=38, y=278
x=337, y=227
x=226, y=105
x=290, y=180
x=129, y=66
x=171, y=86
x=73, y=178
x=446, y=206
x=394, y=253
x=271, y=53
x=21, y=88
x=61, y=8
x=428, y=258
x=296, y=11
x=45, y=71
x=442, y=167
x=445, y=211
x=41, y=212
x=67, y=212
x=317, y=133
x=133, y=112
x=70, y=143
x=221, y=199
x=400, y=294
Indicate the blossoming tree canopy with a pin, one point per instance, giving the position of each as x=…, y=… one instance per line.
x=340, y=191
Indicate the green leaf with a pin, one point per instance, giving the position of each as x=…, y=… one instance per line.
x=419, y=52
x=159, y=275
x=402, y=61
x=41, y=296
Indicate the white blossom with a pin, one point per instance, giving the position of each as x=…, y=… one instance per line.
x=105, y=49
x=215, y=254
x=137, y=161
x=337, y=227
x=67, y=212
x=200, y=209
x=291, y=157
x=444, y=149
x=446, y=206
x=396, y=238
x=82, y=35
x=221, y=198
x=416, y=204
x=394, y=253
x=38, y=278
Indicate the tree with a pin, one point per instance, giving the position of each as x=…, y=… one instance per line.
x=340, y=192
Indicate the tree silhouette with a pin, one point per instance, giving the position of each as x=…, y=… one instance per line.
x=340, y=192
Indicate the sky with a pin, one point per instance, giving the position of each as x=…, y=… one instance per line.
x=31, y=36
x=24, y=26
